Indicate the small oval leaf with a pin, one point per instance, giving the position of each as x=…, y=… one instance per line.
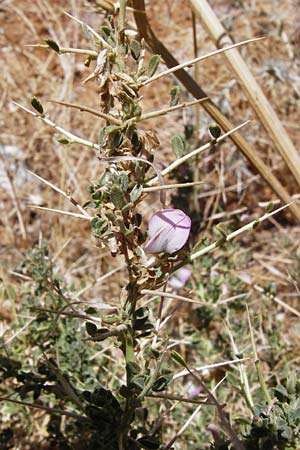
x=178, y=358
x=36, y=104
x=52, y=44
x=153, y=65
x=215, y=131
x=135, y=49
x=174, y=93
x=63, y=140
x=91, y=328
x=178, y=145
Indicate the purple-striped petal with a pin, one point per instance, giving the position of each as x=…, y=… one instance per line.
x=168, y=231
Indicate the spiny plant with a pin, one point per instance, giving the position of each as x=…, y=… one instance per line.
x=101, y=418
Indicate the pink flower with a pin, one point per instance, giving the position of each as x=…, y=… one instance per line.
x=168, y=231
x=180, y=278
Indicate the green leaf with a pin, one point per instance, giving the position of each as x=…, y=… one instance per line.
x=161, y=384
x=221, y=241
x=141, y=313
x=136, y=193
x=178, y=359
x=87, y=32
x=117, y=139
x=269, y=207
x=107, y=34
x=90, y=310
x=178, y=145
x=63, y=140
x=221, y=231
x=98, y=223
x=123, y=181
x=141, y=321
x=281, y=393
x=141, y=325
x=36, y=104
x=132, y=368
x=111, y=129
x=174, y=93
x=150, y=352
x=215, y=131
x=117, y=196
x=91, y=328
x=153, y=65
x=137, y=110
x=127, y=208
x=101, y=334
x=124, y=391
x=52, y=44
x=137, y=384
x=136, y=143
x=101, y=139
x=135, y=49
x=287, y=433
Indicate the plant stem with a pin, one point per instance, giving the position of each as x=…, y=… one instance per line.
x=72, y=137
x=62, y=50
x=200, y=58
x=263, y=383
x=236, y=233
x=122, y=15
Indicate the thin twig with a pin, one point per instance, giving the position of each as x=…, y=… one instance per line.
x=172, y=186
x=188, y=422
x=238, y=445
x=15, y=199
x=195, y=152
x=63, y=50
x=84, y=108
x=162, y=112
x=61, y=412
x=15, y=335
x=257, y=362
x=236, y=233
x=180, y=399
x=243, y=374
x=183, y=373
x=99, y=280
x=94, y=33
x=72, y=137
x=59, y=211
x=174, y=297
x=200, y=58
x=63, y=193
